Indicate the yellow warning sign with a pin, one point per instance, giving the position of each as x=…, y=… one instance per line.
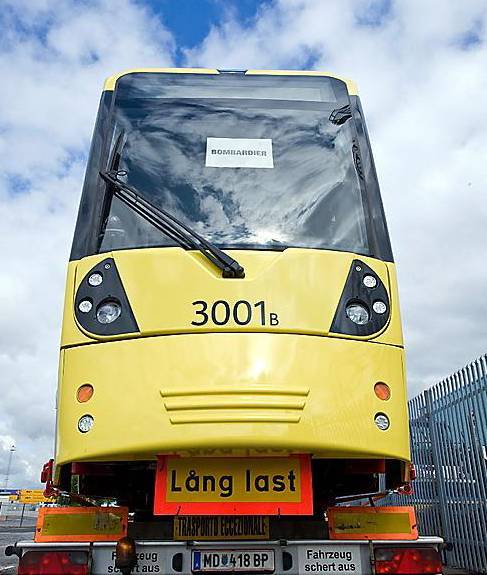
x=213, y=527
x=81, y=524
x=372, y=523
x=33, y=496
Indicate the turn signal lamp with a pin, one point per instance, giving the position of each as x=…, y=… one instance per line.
x=382, y=391
x=125, y=556
x=407, y=560
x=54, y=563
x=84, y=393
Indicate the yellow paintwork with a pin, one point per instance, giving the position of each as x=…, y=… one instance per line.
x=302, y=286
x=394, y=328
x=330, y=381
x=111, y=81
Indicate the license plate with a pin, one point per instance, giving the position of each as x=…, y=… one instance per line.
x=261, y=561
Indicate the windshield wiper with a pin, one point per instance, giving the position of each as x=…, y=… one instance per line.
x=341, y=115
x=170, y=225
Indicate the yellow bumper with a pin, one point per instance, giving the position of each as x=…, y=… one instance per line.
x=232, y=393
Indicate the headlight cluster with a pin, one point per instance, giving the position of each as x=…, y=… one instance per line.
x=364, y=305
x=102, y=307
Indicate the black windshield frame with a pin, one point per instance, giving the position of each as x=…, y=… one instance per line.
x=95, y=204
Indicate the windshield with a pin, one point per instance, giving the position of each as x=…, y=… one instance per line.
x=250, y=162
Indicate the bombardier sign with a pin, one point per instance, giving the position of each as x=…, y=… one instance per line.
x=239, y=153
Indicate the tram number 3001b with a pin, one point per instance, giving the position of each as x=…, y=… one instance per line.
x=241, y=312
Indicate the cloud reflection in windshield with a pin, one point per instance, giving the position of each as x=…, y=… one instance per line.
x=311, y=197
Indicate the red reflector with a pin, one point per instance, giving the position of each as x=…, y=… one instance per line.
x=407, y=560
x=54, y=563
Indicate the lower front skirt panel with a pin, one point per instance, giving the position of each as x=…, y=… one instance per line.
x=231, y=393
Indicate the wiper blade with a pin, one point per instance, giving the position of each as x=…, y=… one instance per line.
x=170, y=225
x=341, y=115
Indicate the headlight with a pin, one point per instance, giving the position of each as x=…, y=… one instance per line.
x=108, y=312
x=379, y=307
x=85, y=423
x=382, y=421
x=85, y=306
x=369, y=281
x=358, y=313
x=95, y=279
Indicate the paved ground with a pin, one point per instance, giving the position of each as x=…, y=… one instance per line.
x=9, y=534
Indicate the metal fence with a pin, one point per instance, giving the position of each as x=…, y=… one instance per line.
x=448, y=426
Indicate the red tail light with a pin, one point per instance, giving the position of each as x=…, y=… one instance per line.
x=54, y=563
x=412, y=472
x=407, y=560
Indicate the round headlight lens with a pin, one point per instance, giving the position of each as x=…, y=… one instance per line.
x=85, y=306
x=357, y=313
x=108, y=312
x=95, y=279
x=379, y=307
x=382, y=421
x=369, y=281
x=85, y=423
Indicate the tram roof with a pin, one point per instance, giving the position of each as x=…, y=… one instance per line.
x=112, y=80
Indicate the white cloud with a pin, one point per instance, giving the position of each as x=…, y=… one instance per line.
x=54, y=57
x=420, y=67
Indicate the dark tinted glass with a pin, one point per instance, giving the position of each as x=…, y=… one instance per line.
x=311, y=197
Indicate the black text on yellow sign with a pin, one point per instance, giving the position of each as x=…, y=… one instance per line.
x=208, y=528
x=233, y=485
x=33, y=496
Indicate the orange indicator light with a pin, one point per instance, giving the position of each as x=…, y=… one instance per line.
x=84, y=393
x=382, y=391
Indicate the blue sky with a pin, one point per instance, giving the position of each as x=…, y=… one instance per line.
x=191, y=20
x=420, y=68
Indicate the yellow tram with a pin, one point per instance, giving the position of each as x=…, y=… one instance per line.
x=231, y=290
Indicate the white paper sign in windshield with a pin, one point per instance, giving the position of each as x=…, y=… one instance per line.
x=239, y=153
